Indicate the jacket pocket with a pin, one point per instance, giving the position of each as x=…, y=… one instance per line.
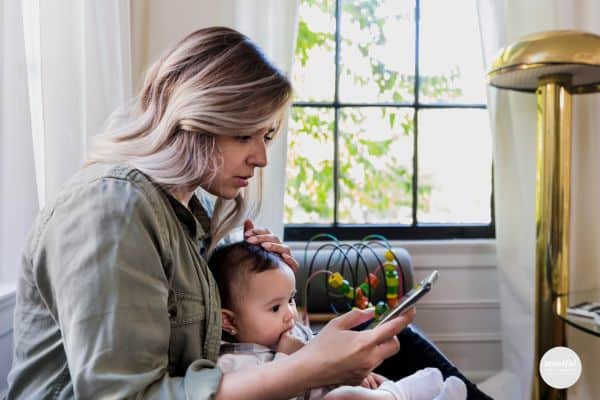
x=187, y=315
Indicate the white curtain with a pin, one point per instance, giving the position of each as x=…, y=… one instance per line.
x=270, y=23
x=513, y=121
x=273, y=25
x=17, y=175
x=79, y=71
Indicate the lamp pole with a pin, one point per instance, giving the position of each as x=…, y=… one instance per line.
x=553, y=205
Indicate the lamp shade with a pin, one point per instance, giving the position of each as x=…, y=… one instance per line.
x=520, y=65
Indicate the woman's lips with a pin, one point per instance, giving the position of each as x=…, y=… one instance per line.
x=241, y=181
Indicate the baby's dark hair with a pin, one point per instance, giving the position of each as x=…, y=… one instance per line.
x=231, y=264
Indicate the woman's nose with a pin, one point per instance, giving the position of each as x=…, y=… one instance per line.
x=258, y=157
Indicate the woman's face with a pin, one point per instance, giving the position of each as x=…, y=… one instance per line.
x=240, y=156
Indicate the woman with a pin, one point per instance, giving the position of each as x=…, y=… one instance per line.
x=115, y=298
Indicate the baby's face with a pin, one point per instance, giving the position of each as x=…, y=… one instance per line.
x=268, y=308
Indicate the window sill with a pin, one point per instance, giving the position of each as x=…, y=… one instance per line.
x=7, y=295
x=7, y=304
x=418, y=246
x=439, y=254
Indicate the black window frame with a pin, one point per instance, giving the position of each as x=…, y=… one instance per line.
x=414, y=231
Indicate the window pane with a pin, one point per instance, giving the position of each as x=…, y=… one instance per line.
x=314, y=63
x=451, y=64
x=455, y=165
x=309, y=188
x=375, y=165
x=377, y=51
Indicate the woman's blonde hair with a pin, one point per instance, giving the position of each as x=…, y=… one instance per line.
x=213, y=82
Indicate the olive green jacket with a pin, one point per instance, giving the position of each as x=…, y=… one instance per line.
x=114, y=299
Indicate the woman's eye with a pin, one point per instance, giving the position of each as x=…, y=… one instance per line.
x=292, y=300
x=275, y=308
x=243, y=139
x=268, y=138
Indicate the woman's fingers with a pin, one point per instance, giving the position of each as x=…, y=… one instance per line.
x=272, y=243
x=250, y=230
x=291, y=262
x=264, y=237
x=352, y=318
x=394, y=326
x=387, y=348
x=248, y=226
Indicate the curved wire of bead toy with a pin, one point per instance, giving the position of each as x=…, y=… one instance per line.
x=354, y=293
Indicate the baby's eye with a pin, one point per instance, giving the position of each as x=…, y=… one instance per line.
x=268, y=138
x=275, y=308
x=292, y=300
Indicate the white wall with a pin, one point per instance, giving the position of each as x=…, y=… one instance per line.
x=462, y=313
x=156, y=24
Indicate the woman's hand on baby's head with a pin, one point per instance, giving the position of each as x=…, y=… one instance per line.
x=270, y=242
x=289, y=343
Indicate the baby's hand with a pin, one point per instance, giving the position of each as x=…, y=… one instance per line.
x=289, y=343
x=373, y=380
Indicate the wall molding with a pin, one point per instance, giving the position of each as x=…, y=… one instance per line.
x=430, y=265
x=462, y=305
x=479, y=376
x=463, y=337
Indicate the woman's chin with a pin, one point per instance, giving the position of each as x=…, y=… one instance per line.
x=227, y=194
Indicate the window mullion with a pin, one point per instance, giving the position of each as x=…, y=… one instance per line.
x=336, y=102
x=415, y=181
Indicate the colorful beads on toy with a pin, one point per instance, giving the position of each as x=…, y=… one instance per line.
x=362, y=301
x=361, y=294
x=373, y=280
x=347, y=290
x=335, y=280
x=381, y=308
x=391, y=279
x=389, y=256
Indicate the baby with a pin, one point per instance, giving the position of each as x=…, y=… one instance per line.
x=260, y=324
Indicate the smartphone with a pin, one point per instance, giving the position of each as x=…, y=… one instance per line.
x=405, y=302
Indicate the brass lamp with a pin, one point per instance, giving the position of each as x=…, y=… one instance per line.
x=555, y=65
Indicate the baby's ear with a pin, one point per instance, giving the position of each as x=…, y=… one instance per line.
x=228, y=321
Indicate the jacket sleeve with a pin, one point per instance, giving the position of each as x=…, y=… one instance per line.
x=101, y=270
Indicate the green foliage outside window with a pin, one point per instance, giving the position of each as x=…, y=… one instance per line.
x=375, y=183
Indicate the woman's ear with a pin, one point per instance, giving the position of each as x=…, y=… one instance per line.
x=228, y=321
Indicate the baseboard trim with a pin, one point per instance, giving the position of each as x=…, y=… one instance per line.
x=479, y=376
x=462, y=337
x=461, y=305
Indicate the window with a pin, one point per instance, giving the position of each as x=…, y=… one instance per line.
x=389, y=131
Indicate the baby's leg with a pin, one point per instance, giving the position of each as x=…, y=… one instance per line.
x=358, y=393
x=424, y=384
x=453, y=389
